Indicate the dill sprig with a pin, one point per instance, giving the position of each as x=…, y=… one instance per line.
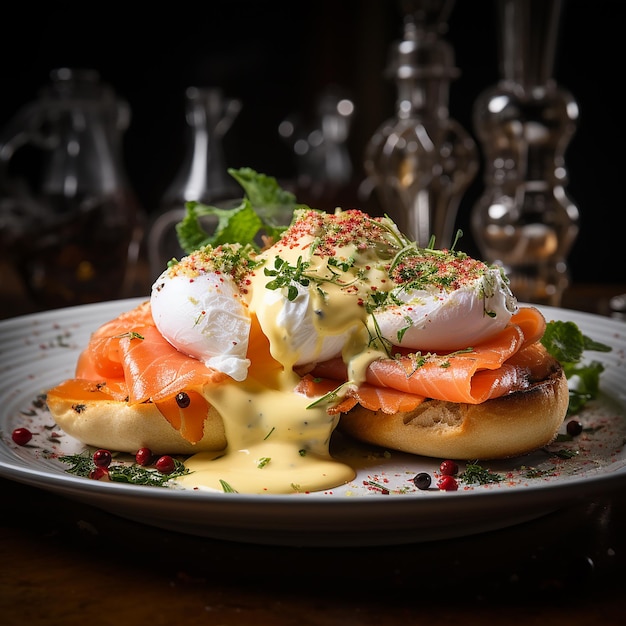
x=82, y=465
x=476, y=474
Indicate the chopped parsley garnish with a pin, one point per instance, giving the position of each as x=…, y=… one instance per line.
x=288, y=276
x=226, y=487
x=131, y=335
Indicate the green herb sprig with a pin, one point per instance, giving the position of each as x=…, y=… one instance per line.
x=285, y=275
x=566, y=343
x=82, y=465
x=476, y=474
x=261, y=210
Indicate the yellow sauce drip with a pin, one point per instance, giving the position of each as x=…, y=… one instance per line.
x=278, y=441
x=275, y=443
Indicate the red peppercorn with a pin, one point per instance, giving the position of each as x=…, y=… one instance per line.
x=449, y=468
x=143, y=456
x=102, y=458
x=165, y=464
x=447, y=483
x=21, y=436
x=99, y=473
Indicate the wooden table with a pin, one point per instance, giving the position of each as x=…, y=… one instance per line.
x=67, y=563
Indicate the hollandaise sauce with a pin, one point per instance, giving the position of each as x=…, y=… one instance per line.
x=277, y=442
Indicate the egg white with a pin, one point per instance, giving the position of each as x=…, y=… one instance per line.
x=291, y=326
x=442, y=321
x=204, y=317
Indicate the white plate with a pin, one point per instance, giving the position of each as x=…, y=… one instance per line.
x=38, y=351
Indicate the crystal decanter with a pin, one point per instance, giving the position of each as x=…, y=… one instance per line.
x=420, y=162
x=524, y=219
x=71, y=222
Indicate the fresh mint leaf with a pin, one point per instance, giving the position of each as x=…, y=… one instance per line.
x=263, y=191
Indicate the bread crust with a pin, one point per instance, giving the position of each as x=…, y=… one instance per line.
x=509, y=426
x=118, y=426
x=504, y=427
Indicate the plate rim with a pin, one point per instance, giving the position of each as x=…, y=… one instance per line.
x=568, y=490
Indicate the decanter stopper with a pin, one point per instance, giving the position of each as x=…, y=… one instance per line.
x=524, y=219
x=420, y=162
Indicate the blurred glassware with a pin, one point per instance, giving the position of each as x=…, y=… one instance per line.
x=525, y=220
x=617, y=305
x=323, y=162
x=202, y=176
x=421, y=161
x=69, y=220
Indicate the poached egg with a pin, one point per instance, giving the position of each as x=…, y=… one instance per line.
x=198, y=307
x=334, y=285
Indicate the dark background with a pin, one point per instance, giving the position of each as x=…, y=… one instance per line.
x=277, y=56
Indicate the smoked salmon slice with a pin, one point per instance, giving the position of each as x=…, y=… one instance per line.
x=130, y=350
x=155, y=370
x=374, y=398
x=128, y=360
x=188, y=420
x=485, y=371
x=531, y=322
x=102, y=358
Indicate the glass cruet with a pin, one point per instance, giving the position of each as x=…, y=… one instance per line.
x=202, y=175
x=71, y=222
x=524, y=219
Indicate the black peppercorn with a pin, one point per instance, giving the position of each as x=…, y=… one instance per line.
x=183, y=400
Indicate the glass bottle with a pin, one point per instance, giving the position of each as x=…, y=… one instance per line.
x=421, y=161
x=324, y=167
x=202, y=176
x=524, y=219
x=71, y=224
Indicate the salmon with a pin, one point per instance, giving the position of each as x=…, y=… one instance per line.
x=531, y=322
x=81, y=391
x=155, y=370
x=128, y=359
x=383, y=399
x=188, y=420
x=488, y=370
x=102, y=358
x=129, y=349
